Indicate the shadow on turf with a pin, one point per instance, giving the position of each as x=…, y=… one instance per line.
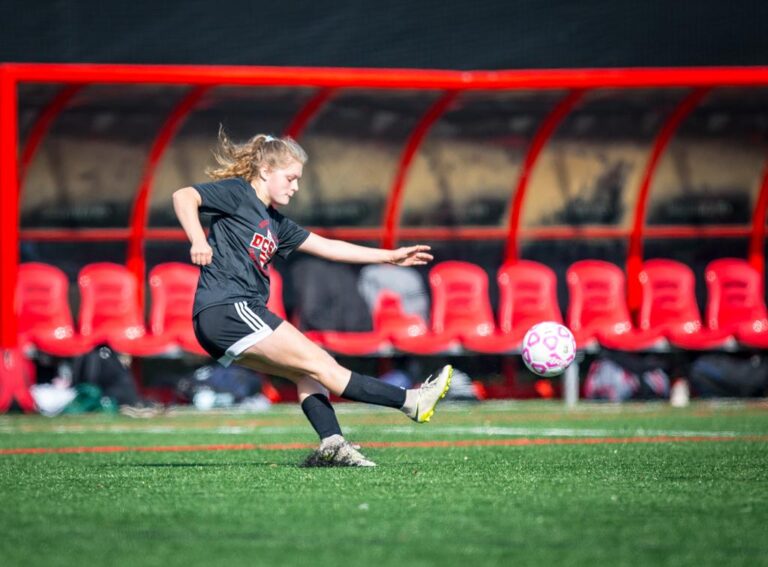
x=291, y=464
x=195, y=465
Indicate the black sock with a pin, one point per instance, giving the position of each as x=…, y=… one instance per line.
x=363, y=388
x=320, y=414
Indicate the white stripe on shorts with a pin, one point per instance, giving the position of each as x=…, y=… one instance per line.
x=260, y=332
x=248, y=316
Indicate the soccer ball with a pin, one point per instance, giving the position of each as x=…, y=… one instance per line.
x=548, y=348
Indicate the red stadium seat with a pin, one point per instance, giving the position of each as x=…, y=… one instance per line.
x=109, y=311
x=528, y=295
x=598, y=312
x=390, y=322
x=735, y=301
x=44, y=315
x=461, y=309
x=352, y=343
x=669, y=307
x=172, y=286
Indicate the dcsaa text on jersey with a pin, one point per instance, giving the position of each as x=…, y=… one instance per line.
x=263, y=247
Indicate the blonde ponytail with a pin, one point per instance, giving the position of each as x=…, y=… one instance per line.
x=245, y=160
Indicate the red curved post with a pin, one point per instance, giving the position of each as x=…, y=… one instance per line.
x=41, y=127
x=136, y=262
x=635, y=254
x=544, y=133
x=296, y=128
x=757, y=235
x=394, y=200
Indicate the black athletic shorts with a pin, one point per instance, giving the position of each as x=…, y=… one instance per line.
x=226, y=331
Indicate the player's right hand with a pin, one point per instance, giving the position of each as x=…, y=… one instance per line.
x=201, y=253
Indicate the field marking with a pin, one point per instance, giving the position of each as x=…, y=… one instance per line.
x=502, y=431
x=485, y=430
x=520, y=442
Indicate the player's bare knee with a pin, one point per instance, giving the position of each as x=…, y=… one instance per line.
x=325, y=371
x=310, y=386
x=318, y=370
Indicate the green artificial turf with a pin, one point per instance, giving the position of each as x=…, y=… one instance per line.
x=696, y=502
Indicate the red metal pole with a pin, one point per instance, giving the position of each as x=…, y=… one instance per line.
x=392, y=78
x=394, y=199
x=136, y=261
x=547, y=128
x=9, y=207
x=416, y=233
x=757, y=235
x=635, y=254
x=41, y=127
x=308, y=112
x=12, y=383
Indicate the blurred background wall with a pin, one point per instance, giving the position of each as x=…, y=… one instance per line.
x=492, y=34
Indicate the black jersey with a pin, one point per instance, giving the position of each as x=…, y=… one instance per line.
x=245, y=234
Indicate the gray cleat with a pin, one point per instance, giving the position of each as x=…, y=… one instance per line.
x=335, y=451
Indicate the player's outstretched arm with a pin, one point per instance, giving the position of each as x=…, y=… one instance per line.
x=186, y=203
x=342, y=251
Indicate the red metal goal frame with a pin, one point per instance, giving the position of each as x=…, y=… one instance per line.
x=328, y=81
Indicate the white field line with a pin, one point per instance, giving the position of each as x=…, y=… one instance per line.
x=421, y=431
x=566, y=432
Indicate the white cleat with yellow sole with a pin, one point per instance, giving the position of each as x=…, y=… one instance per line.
x=420, y=404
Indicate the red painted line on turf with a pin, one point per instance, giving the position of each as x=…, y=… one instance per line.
x=521, y=442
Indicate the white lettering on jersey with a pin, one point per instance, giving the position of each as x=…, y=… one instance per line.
x=263, y=248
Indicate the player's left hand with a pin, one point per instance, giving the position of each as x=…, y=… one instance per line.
x=412, y=255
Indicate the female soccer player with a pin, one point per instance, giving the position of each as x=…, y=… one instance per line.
x=230, y=316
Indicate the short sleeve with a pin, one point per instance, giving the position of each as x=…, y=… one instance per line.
x=289, y=235
x=220, y=197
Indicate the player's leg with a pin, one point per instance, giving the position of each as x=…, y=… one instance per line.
x=313, y=397
x=225, y=331
x=334, y=450
x=288, y=348
x=249, y=333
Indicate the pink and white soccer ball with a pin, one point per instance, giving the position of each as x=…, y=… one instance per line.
x=548, y=348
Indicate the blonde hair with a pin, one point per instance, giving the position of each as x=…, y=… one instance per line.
x=245, y=160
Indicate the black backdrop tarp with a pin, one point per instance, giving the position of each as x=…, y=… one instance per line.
x=494, y=34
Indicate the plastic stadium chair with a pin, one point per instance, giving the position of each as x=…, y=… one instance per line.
x=669, y=307
x=598, y=312
x=172, y=286
x=461, y=309
x=735, y=301
x=44, y=315
x=528, y=295
x=390, y=322
x=109, y=311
